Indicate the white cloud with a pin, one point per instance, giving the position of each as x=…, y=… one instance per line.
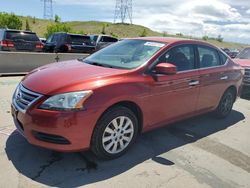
x=229, y=18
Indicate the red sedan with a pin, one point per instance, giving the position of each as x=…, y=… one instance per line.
x=104, y=101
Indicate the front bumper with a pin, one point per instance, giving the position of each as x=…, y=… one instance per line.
x=59, y=131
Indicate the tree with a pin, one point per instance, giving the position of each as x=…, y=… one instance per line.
x=179, y=34
x=34, y=20
x=144, y=33
x=219, y=38
x=57, y=19
x=205, y=38
x=165, y=34
x=27, y=25
x=103, y=29
x=57, y=27
x=10, y=21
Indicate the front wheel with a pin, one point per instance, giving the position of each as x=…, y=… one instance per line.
x=226, y=104
x=115, y=132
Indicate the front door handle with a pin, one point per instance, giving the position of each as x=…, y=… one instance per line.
x=224, y=78
x=194, y=83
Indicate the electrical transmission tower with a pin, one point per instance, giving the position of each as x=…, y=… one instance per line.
x=47, y=9
x=123, y=11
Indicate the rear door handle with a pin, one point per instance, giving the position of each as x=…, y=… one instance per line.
x=194, y=83
x=224, y=78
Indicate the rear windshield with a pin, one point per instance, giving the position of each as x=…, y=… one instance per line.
x=76, y=39
x=12, y=35
x=245, y=54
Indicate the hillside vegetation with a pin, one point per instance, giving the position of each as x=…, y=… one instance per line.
x=119, y=30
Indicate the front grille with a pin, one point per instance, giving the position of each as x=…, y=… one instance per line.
x=24, y=97
x=50, y=138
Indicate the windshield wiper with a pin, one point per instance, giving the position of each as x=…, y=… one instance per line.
x=96, y=63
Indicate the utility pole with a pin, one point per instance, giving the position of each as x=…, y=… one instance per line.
x=48, y=9
x=123, y=11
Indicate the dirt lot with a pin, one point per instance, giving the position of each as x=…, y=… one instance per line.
x=200, y=152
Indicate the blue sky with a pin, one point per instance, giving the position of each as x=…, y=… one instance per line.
x=229, y=18
x=66, y=11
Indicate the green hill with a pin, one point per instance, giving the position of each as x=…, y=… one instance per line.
x=119, y=30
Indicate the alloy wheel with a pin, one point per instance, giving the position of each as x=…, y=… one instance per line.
x=118, y=134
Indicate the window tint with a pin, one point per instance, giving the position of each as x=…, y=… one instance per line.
x=21, y=36
x=182, y=57
x=108, y=39
x=223, y=58
x=208, y=57
x=77, y=39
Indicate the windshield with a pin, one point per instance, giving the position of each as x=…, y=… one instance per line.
x=126, y=54
x=245, y=54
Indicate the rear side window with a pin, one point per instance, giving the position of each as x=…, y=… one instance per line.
x=21, y=36
x=182, y=57
x=108, y=39
x=75, y=39
x=223, y=58
x=209, y=57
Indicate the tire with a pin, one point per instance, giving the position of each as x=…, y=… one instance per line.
x=111, y=140
x=226, y=104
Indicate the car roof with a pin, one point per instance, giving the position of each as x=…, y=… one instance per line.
x=70, y=34
x=170, y=40
x=15, y=30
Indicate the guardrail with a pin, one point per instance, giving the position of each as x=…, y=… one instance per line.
x=23, y=62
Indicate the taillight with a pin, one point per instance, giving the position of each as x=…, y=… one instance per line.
x=7, y=43
x=68, y=46
x=39, y=45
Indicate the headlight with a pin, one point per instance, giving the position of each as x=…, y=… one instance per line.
x=66, y=101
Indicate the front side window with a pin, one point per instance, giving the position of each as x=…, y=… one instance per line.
x=126, y=54
x=182, y=57
x=223, y=58
x=245, y=54
x=208, y=57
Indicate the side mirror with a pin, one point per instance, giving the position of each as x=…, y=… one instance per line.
x=166, y=68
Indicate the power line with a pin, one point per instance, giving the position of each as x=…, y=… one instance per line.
x=123, y=11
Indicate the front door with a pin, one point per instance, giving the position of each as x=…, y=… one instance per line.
x=174, y=97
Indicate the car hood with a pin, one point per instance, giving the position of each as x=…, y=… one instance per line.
x=243, y=62
x=68, y=76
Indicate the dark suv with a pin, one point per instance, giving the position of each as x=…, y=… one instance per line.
x=66, y=42
x=16, y=40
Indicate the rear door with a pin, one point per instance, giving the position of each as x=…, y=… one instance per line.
x=174, y=96
x=214, y=76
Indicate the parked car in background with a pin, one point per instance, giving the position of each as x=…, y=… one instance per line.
x=244, y=60
x=43, y=40
x=104, y=101
x=17, y=40
x=67, y=42
x=102, y=41
x=231, y=52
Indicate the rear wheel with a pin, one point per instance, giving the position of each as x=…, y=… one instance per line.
x=115, y=132
x=226, y=104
